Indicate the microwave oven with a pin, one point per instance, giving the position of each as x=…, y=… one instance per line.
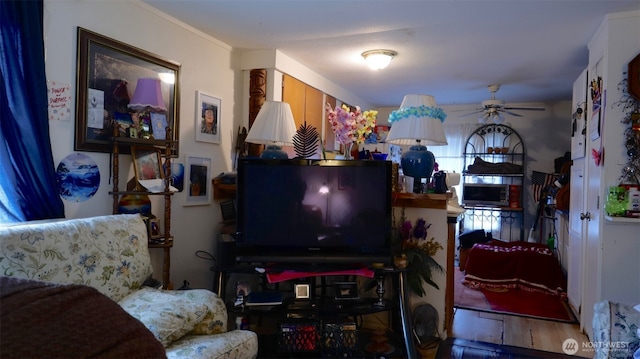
x=488, y=194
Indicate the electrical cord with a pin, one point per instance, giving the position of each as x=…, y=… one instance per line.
x=206, y=255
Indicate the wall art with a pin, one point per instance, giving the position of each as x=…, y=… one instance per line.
x=207, y=126
x=198, y=181
x=107, y=73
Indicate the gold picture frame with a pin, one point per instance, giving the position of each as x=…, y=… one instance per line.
x=147, y=163
x=107, y=72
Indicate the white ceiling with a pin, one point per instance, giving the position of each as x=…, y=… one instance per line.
x=451, y=49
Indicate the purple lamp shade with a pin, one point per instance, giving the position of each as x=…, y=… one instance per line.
x=147, y=94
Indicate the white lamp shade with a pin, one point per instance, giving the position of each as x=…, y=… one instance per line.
x=428, y=130
x=274, y=125
x=148, y=93
x=417, y=101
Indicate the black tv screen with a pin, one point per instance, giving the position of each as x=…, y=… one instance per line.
x=312, y=211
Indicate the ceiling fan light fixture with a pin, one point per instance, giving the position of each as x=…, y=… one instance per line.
x=378, y=59
x=498, y=118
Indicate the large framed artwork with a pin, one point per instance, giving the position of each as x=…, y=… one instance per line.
x=207, y=118
x=107, y=74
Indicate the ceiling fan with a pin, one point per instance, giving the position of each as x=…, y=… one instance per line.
x=494, y=109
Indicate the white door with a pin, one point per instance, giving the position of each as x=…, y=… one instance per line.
x=592, y=247
x=576, y=230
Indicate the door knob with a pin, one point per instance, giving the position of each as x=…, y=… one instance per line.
x=586, y=216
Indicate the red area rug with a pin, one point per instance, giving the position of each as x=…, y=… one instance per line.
x=512, y=301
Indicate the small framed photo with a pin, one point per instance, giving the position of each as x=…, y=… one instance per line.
x=153, y=227
x=207, y=118
x=198, y=180
x=159, y=125
x=302, y=291
x=346, y=290
x=147, y=164
x=132, y=132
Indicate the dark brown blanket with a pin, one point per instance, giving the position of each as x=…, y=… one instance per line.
x=46, y=320
x=528, y=266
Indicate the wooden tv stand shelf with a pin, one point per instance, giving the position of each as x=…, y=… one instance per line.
x=316, y=308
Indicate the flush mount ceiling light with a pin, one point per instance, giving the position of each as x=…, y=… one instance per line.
x=378, y=59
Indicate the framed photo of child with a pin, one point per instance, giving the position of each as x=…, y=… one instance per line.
x=147, y=164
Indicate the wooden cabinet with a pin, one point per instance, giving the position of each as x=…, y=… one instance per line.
x=165, y=240
x=306, y=103
x=498, y=155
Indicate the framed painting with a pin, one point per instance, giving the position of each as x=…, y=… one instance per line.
x=198, y=179
x=107, y=75
x=207, y=125
x=147, y=164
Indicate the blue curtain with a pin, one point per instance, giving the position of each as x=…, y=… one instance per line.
x=28, y=189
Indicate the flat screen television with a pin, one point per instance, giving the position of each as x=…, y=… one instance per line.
x=313, y=211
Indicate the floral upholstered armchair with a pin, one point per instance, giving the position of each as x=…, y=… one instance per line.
x=110, y=254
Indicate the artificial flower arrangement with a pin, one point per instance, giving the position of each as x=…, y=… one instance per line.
x=411, y=245
x=351, y=126
x=419, y=111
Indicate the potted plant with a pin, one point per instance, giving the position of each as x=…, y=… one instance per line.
x=413, y=251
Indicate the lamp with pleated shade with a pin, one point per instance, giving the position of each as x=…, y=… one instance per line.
x=147, y=98
x=418, y=122
x=274, y=127
x=148, y=94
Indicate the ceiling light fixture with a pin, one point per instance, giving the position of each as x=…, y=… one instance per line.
x=492, y=114
x=378, y=59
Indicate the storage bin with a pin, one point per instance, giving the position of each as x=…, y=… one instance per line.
x=299, y=336
x=339, y=340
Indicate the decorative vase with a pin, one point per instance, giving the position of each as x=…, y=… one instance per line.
x=401, y=262
x=347, y=151
x=135, y=203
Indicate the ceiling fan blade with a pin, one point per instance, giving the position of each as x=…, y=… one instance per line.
x=525, y=108
x=471, y=113
x=468, y=109
x=510, y=113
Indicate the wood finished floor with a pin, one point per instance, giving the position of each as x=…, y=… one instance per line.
x=513, y=330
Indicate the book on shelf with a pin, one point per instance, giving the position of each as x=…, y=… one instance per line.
x=264, y=298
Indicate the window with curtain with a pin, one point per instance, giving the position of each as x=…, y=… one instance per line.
x=449, y=158
x=28, y=189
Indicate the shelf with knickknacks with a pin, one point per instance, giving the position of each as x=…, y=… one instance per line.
x=621, y=202
x=145, y=102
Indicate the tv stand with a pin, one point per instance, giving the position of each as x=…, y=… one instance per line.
x=312, y=267
x=324, y=307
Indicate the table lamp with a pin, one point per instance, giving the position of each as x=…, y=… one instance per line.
x=274, y=127
x=417, y=122
x=147, y=98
